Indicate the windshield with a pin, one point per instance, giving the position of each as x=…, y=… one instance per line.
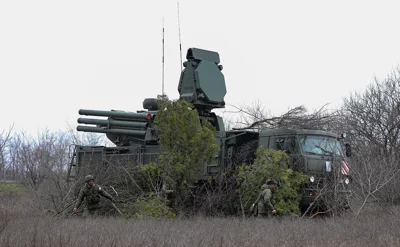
x=320, y=145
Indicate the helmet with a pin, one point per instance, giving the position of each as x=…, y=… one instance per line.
x=271, y=181
x=88, y=178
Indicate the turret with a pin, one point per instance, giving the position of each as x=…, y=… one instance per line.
x=201, y=83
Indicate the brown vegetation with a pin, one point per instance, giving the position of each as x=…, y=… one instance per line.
x=22, y=224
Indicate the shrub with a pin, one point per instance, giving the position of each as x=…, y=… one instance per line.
x=151, y=205
x=270, y=164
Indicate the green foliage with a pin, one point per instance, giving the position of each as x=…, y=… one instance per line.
x=288, y=194
x=151, y=205
x=271, y=164
x=146, y=176
x=187, y=144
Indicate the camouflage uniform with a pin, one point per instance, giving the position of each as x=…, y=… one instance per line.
x=92, y=195
x=265, y=204
x=169, y=196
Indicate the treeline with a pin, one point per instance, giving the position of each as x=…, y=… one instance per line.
x=31, y=159
x=370, y=119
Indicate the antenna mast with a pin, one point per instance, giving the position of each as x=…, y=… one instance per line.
x=180, y=43
x=163, y=59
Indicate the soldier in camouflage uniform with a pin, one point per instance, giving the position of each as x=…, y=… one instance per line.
x=265, y=204
x=91, y=192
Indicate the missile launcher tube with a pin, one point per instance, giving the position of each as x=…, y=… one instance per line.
x=135, y=133
x=126, y=115
x=113, y=123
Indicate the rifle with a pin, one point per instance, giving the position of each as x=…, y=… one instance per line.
x=254, y=205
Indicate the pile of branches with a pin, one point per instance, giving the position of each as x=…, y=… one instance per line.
x=255, y=118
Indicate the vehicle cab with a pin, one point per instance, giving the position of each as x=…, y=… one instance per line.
x=320, y=154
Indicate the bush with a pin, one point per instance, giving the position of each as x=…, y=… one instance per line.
x=147, y=177
x=187, y=144
x=271, y=164
x=151, y=205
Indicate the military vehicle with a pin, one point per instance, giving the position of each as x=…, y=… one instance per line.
x=319, y=154
x=202, y=83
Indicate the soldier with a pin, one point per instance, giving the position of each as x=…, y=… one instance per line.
x=169, y=196
x=91, y=192
x=265, y=204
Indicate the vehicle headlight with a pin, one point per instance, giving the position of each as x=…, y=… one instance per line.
x=346, y=180
x=312, y=179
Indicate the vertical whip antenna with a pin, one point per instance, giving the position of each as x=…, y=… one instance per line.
x=180, y=43
x=163, y=58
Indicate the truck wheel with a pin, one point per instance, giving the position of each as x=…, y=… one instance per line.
x=245, y=153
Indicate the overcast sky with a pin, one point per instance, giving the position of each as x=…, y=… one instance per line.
x=57, y=57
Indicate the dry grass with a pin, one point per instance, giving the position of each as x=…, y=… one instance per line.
x=22, y=224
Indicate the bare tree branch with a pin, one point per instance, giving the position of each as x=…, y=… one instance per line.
x=295, y=118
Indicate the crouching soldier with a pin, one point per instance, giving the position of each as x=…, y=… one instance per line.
x=265, y=205
x=91, y=192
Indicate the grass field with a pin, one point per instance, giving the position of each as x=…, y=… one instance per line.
x=23, y=224
x=12, y=187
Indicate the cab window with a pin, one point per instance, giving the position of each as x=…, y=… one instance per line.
x=285, y=144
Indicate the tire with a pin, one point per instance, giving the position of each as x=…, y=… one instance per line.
x=245, y=153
